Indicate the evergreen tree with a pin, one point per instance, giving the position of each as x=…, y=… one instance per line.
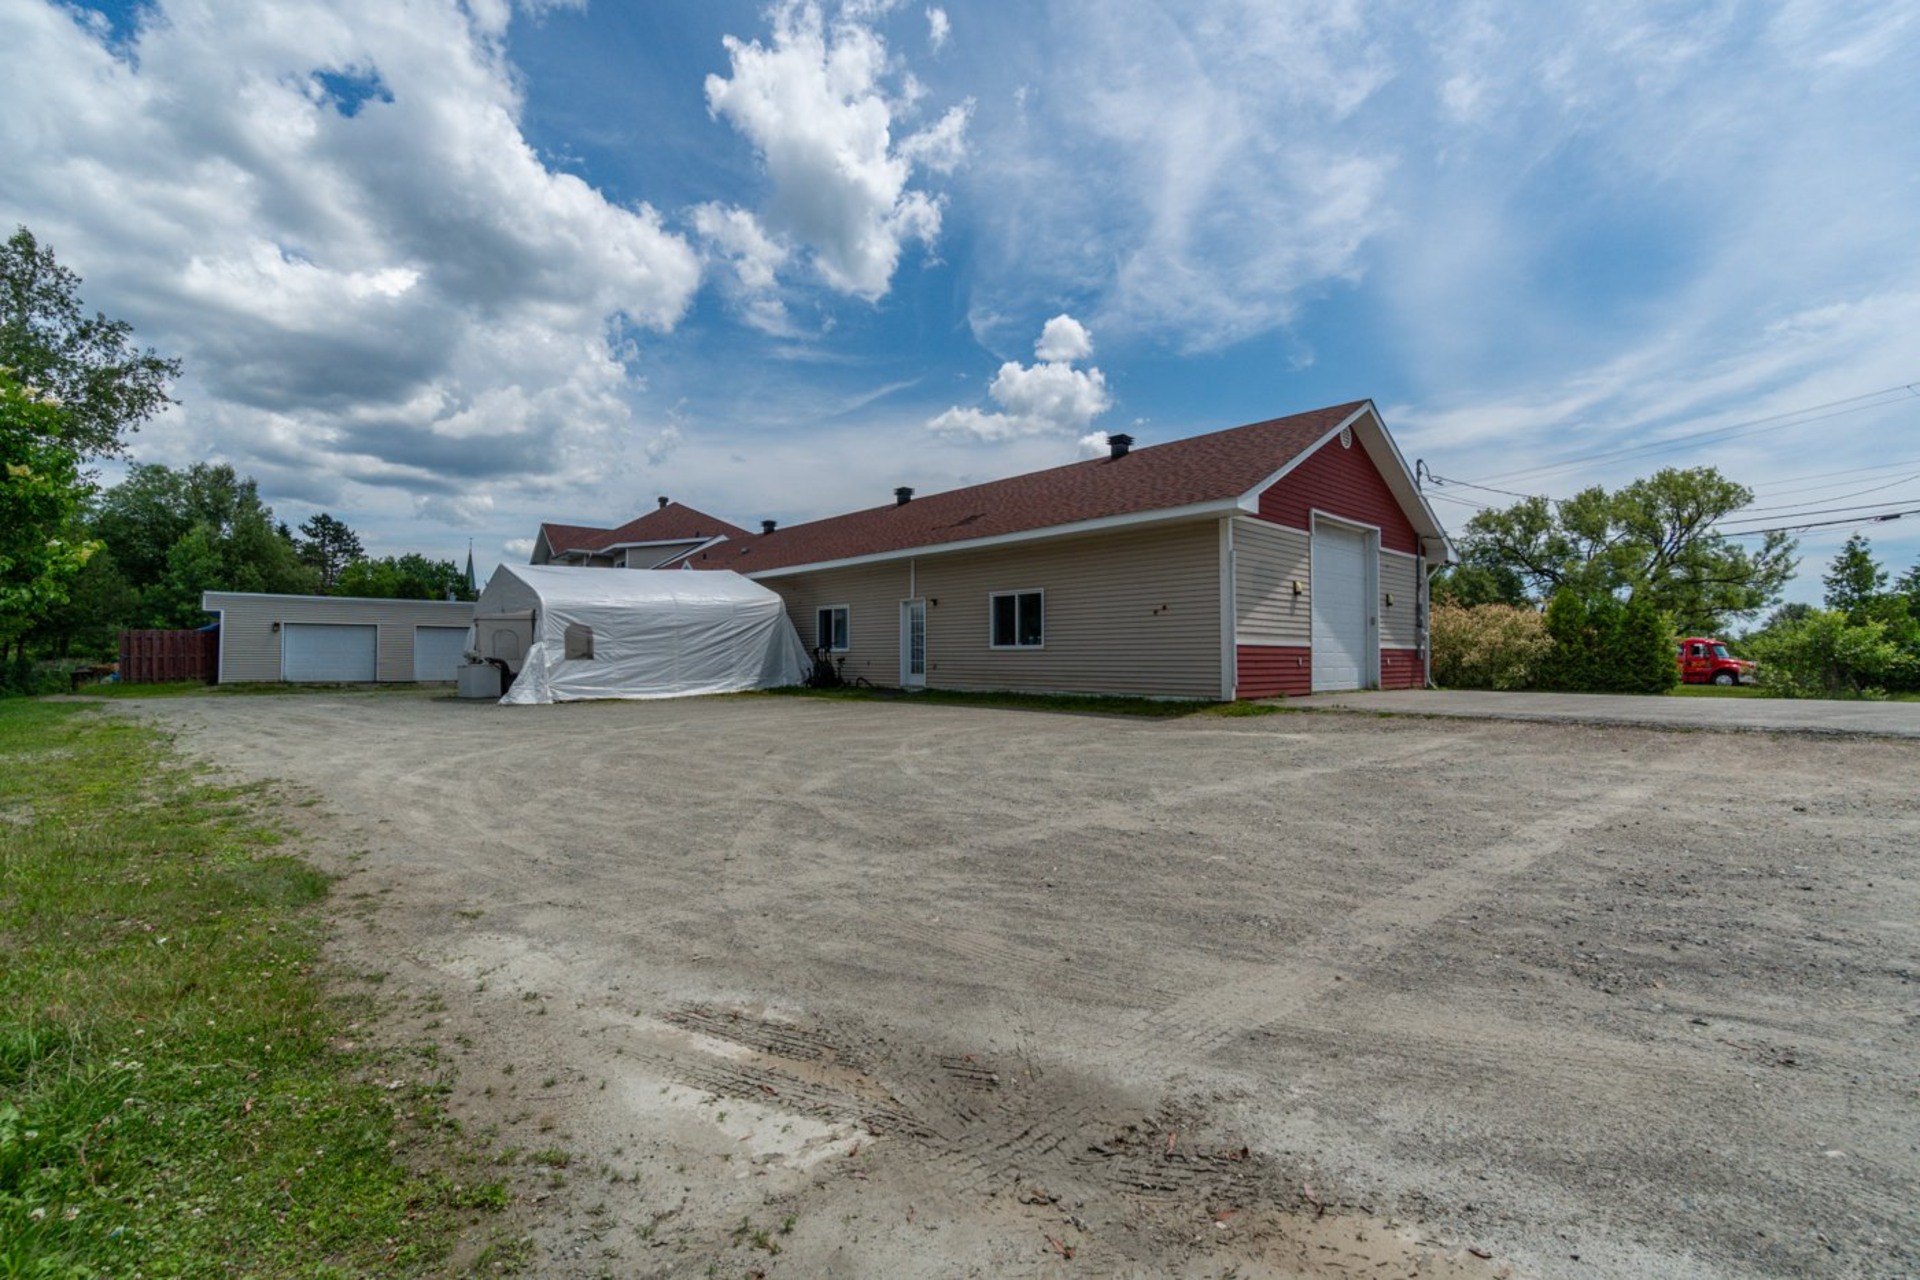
x=1854, y=579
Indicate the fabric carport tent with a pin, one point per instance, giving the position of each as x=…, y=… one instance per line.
x=641, y=633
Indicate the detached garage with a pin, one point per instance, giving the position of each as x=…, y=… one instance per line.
x=337, y=640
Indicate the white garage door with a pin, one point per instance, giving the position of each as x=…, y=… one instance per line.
x=436, y=652
x=1340, y=600
x=327, y=653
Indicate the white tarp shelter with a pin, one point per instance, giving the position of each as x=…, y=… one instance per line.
x=642, y=633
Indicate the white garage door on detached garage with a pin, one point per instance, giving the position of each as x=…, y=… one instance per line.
x=437, y=652
x=1342, y=592
x=328, y=653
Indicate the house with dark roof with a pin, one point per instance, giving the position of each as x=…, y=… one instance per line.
x=659, y=539
x=1283, y=557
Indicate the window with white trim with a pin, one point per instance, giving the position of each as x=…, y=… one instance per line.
x=830, y=628
x=1019, y=619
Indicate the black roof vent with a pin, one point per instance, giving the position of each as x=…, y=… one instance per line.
x=663, y=501
x=902, y=496
x=768, y=526
x=1118, y=444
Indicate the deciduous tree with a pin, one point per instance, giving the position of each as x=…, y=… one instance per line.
x=41, y=493
x=107, y=384
x=1653, y=540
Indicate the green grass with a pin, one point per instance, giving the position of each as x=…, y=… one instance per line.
x=1719, y=691
x=1072, y=703
x=176, y=1097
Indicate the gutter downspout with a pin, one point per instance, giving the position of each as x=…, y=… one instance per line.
x=1426, y=571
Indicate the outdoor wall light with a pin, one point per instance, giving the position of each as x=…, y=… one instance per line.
x=276, y=626
x=1389, y=599
x=1297, y=588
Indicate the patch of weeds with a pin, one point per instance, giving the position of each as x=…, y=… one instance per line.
x=179, y=1094
x=552, y=1157
x=491, y=1196
x=505, y=1256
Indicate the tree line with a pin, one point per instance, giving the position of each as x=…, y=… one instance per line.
x=1590, y=594
x=78, y=562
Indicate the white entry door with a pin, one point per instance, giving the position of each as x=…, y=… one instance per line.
x=1342, y=608
x=913, y=644
x=327, y=653
x=437, y=652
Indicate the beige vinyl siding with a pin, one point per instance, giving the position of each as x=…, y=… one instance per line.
x=648, y=557
x=1399, y=578
x=872, y=596
x=1267, y=561
x=250, y=647
x=1132, y=612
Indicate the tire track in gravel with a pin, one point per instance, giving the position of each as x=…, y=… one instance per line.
x=1251, y=996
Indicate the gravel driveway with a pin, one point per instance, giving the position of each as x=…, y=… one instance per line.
x=809, y=988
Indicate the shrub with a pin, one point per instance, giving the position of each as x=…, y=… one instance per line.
x=1826, y=655
x=1603, y=646
x=1488, y=646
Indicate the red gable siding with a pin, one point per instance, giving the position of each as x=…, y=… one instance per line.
x=1342, y=482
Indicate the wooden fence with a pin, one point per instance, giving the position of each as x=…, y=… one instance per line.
x=151, y=657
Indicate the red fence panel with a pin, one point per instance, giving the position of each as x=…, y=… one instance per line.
x=152, y=657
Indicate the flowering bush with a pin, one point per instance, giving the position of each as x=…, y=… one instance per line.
x=1488, y=646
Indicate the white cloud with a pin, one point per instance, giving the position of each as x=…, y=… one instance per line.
x=1064, y=339
x=939, y=28
x=814, y=105
x=330, y=212
x=1194, y=170
x=663, y=444
x=469, y=512
x=1050, y=397
x=735, y=237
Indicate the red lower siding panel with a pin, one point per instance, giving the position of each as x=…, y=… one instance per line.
x=1274, y=671
x=1402, y=669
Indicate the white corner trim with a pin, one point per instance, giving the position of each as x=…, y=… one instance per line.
x=1229, y=615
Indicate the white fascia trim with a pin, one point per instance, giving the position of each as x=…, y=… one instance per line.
x=1250, y=500
x=1216, y=507
x=682, y=557
x=1391, y=551
x=657, y=542
x=1408, y=486
x=207, y=597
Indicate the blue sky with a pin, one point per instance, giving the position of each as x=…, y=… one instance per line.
x=448, y=270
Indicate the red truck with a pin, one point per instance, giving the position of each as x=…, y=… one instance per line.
x=1704, y=660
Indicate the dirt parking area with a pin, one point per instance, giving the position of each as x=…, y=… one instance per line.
x=792, y=987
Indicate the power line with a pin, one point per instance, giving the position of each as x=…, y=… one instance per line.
x=1753, y=426
x=1895, y=465
x=1883, y=518
x=1891, y=484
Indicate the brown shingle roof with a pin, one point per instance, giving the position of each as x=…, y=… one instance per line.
x=675, y=522
x=1207, y=468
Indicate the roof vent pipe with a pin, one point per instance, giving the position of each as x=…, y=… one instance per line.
x=1118, y=444
x=663, y=501
x=902, y=496
x=768, y=526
